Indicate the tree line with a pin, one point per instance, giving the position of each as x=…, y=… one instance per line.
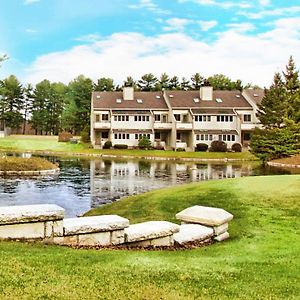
x=51, y=107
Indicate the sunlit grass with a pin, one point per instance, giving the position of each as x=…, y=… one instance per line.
x=260, y=261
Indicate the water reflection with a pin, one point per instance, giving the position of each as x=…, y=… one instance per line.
x=83, y=184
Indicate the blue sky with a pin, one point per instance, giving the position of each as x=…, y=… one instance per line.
x=60, y=39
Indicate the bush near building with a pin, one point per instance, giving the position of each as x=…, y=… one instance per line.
x=201, y=147
x=236, y=147
x=144, y=142
x=218, y=146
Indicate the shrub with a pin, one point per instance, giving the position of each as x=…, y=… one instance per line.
x=218, y=146
x=120, y=146
x=85, y=134
x=201, y=147
x=144, y=142
x=236, y=147
x=64, y=136
x=107, y=145
x=180, y=149
x=268, y=144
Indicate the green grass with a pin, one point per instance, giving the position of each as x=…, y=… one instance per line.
x=260, y=261
x=21, y=143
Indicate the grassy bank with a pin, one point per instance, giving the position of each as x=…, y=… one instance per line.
x=260, y=261
x=25, y=164
x=294, y=160
x=50, y=144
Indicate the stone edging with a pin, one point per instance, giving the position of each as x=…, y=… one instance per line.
x=158, y=158
x=31, y=173
x=275, y=164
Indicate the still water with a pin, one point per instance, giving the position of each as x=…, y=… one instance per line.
x=83, y=184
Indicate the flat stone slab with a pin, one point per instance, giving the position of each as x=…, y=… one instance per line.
x=210, y=216
x=83, y=225
x=149, y=230
x=222, y=237
x=193, y=233
x=30, y=213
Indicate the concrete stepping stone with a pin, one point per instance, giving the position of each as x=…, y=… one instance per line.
x=30, y=213
x=73, y=226
x=222, y=237
x=210, y=216
x=153, y=233
x=193, y=233
x=103, y=230
x=29, y=222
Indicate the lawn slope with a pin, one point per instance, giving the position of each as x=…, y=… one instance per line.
x=260, y=261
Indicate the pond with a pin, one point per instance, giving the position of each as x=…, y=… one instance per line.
x=83, y=184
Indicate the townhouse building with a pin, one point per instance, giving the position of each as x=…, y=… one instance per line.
x=174, y=119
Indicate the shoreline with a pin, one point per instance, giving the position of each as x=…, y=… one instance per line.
x=101, y=155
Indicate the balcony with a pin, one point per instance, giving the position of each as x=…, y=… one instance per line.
x=184, y=126
x=249, y=126
x=102, y=125
x=159, y=125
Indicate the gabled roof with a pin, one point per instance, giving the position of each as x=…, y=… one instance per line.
x=149, y=100
x=185, y=99
x=255, y=95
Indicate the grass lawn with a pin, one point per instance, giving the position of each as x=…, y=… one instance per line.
x=260, y=261
x=50, y=143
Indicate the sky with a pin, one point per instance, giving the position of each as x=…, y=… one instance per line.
x=61, y=39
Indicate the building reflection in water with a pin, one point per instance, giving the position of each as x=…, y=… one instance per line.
x=113, y=179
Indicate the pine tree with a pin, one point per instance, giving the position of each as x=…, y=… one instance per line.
x=292, y=85
x=272, y=109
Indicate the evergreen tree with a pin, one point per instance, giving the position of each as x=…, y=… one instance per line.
x=130, y=82
x=41, y=96
x=272, y=109
x=164, y=82
x=12, y=102
x=197, y=81
x=174, y=83
x=185, y=84
x=104, y=84
x=78, y=101
x=147, y=82
x=27, y=104
x=292, y=85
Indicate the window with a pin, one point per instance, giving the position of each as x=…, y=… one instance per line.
x=157, y=135
x=178, y=136
x=122, y=136
x=197, y=137
x=141, y=118
x=157, y=118
x=121, y=118
x=227, y=137
x=247, y=118
x=136, y=136
x=203, y=118
x=177, y=117
x=104, y=134
x=104, y=117
x=224, y=118
x=97, y=117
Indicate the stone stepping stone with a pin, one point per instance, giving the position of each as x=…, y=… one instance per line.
x=210, y=216
x=193, y=233
x=222, y=237
x=30, y=213
x=74, y=226
x=150, y=231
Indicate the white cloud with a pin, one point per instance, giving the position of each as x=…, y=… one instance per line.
x=277, y=12
x=30, y=31
x=149, y=5
x=264, y=2
x=28, y=2
x=220, y=3
x=252, y=58
x=207, y=25
x=241, y=27
x=89, y=38
x=176, y=24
